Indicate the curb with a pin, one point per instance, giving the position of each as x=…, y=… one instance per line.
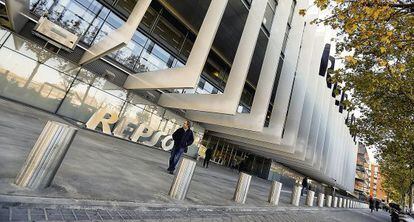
x=51, y=202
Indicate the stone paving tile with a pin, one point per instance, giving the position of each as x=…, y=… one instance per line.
x=81, y=214
x=194, y=215
x=104, y=214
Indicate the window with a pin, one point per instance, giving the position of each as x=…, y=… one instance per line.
x=269, y=15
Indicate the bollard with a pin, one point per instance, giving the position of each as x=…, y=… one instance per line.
x=310, y=197
x=274, y=194
x=240, y=194
x=344, y=203
x=46, y=156
x=321, y=198
x=335, y=202
x=182, y=179
x=328, y=200
x=296, y=195
x=340, y=202
x=295, y=199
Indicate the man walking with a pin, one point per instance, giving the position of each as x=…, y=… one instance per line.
x=209, y=153
x=304, y=185
x=183, y=137
x=371, y=203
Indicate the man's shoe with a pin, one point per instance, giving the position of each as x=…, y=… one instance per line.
x=171, y=172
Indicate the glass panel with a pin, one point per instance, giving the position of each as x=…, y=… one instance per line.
x=84, y=100
x=32, y=50
x=110, y=88
x=86, y=76
x=92, y=31
x=28, y=81
x=139, y=38
x=268, y=18
x=39, y=7
x=169, y=34
x=149, y=18
x=188, y=45
x=152, y=61
x=129, y=55
x=73, y=16
x=125, y=6
x=3, y=35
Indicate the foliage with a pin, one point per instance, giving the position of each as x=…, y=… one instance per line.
x=378, y=72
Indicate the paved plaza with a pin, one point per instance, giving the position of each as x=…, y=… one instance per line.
x=127, y=181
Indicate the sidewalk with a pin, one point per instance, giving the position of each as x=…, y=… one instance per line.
x=104, y=172
x=100, y=167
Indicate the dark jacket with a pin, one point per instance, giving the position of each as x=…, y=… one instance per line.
x=182, y=138
x=305, y=182
x=371, y=203
x=209, y=153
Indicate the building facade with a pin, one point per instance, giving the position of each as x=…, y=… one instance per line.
x=375, y=188
x=252, y=75
x=362, y=176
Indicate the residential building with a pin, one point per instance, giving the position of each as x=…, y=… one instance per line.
x=362, y=176
x=376, y=189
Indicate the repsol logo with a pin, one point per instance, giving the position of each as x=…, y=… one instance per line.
x=141, y=133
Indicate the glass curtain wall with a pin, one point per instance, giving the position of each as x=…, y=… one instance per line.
x=231, y=155
x=160, y=43
x=35, y=76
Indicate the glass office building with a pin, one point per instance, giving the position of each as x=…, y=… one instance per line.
x=36, y=74
x=37, y=71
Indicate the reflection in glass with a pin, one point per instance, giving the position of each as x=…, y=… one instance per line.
x=84, y=100
x=31, y=82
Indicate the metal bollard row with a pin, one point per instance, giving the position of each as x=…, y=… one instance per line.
x=53, y=143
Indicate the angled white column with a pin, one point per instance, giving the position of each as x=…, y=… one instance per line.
x=14, y=9
x=228, y=101
x=288, y=70
x=269, y=136
x=117, y=38
x=187, y=76
x=256, y=118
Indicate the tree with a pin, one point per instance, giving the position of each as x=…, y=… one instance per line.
x=378, y=38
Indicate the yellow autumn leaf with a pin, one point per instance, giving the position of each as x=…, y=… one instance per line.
x=382, y=62
x=350, y=60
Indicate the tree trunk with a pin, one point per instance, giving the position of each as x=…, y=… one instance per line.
x=410, y=198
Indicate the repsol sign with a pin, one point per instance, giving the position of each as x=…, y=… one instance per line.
x=141, y=133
